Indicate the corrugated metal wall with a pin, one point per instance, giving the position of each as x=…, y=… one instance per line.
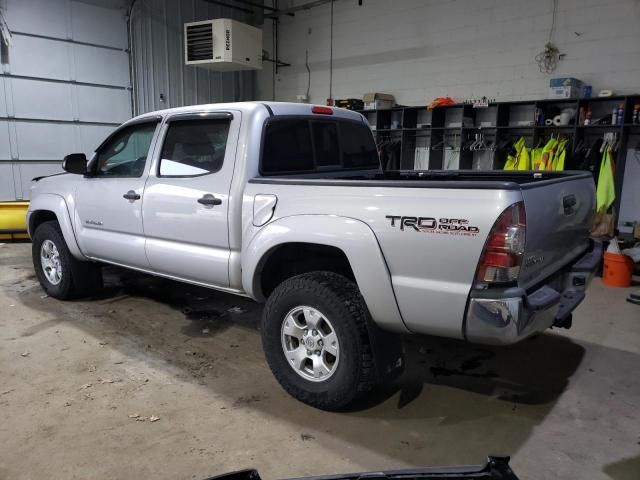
x=63, y=86
x=158, y=57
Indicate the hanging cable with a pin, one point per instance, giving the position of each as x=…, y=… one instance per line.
x=306, y=64
x=274, y=49
x=547, y=60
x=331, y=58
x=554, y=13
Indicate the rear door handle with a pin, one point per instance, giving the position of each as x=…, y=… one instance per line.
x=209, y=200
x=131, y=195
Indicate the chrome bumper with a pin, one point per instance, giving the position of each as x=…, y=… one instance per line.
x=502, y=317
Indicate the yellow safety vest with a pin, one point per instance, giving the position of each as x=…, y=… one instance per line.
x=521, y=161
x=536, y=158
x=606, y=190
x=546, y=159
x=561, y=153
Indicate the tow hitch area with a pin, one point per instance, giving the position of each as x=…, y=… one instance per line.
x=496, y=468
x=568, y=302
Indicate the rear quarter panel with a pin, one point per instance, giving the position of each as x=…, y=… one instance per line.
x=431, y=273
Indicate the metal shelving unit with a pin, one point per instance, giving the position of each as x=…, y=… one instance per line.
x=498, y=121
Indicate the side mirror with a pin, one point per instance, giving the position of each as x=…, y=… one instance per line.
x=75, y=163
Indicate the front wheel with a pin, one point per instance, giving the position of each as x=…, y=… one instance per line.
x=61, y=275
x=316, y=335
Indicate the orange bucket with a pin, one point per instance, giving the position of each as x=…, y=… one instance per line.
x=618, y=269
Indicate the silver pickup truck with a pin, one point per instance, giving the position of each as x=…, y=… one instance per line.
x=287, y=204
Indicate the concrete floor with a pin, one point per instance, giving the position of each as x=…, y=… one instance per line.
x=565, y=404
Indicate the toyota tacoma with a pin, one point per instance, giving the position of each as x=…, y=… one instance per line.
x=287, y=204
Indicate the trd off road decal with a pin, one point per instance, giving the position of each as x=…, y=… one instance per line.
x=445, y=226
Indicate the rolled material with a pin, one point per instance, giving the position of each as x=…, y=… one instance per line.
x=548, y=122
x=557, y=120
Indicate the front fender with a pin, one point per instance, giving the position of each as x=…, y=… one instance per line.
x=56, y=204
x=353, y=237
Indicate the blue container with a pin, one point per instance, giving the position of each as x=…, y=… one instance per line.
x=586, y=91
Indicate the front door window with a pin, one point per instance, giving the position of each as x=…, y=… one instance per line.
x=125, y=154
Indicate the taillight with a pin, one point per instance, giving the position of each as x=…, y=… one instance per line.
x=319, y=109
x=502, y=255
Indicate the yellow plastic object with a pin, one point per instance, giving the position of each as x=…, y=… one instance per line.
x=13, y=224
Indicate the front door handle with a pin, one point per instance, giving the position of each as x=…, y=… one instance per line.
x=131, y=195
x=209, y=200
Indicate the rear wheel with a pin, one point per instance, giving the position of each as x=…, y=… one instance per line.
x=317, y=337
x=61, y=275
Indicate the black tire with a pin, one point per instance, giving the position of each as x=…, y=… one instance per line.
x=78, y=279
x=338, y=299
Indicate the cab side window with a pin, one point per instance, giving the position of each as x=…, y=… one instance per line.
x=194, y=147
x=125, y=154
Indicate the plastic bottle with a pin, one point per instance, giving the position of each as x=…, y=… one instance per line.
x=587, y=117
x=636, y=113
x=620, y=116
x=581, y=116
x=614, y=116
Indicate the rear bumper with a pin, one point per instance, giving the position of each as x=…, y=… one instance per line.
x=502, y=317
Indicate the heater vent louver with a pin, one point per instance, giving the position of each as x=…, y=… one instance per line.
x=199, y=42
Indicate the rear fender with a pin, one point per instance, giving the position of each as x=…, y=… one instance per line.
x=57, y=205
x=353, y=237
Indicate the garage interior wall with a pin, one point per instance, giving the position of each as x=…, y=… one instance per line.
x=421, y=49
x=65, y=82
x=418, y=50
x=160, y=77
x=63, y=88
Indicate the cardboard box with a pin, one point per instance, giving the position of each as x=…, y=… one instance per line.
x=565, y=82
x=565, y=87
x=378, y=101
x=636, y=231
x=564, y=92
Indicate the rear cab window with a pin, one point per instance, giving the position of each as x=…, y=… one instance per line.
x=307, y=144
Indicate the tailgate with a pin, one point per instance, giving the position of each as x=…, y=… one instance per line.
x=559, y=215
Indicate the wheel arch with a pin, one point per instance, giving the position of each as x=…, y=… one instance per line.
x=48, y=207
x=325, y=242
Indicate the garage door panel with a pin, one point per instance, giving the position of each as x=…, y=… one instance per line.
x=90, y=136
x=51, y=93
x=103, y=26
x=44, y=141
x=39, y=99
x=51, y=21
x=7, y=190
x=5, y=148
x=103, y=104
x=3, y=97
x=99, y=65
x=39, y=57
x=28, y=171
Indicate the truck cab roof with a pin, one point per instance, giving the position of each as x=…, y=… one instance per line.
x=272, y=108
